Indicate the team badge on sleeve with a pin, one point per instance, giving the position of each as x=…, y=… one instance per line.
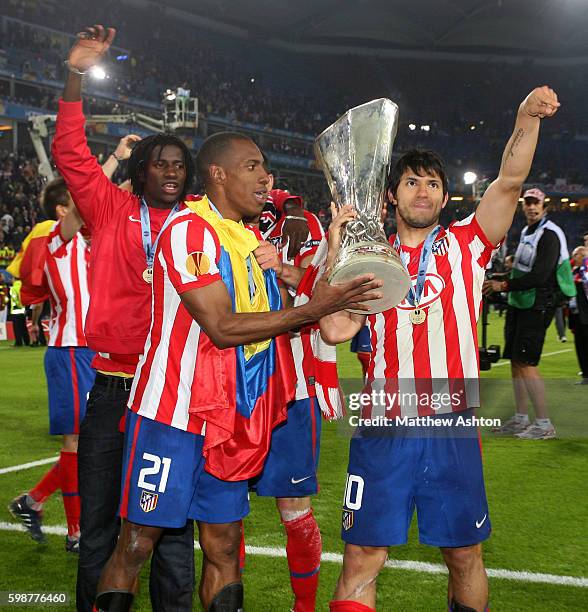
x=148, y=501
x=347, y=519
x=198, y=263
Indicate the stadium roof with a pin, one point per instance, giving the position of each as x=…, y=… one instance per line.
x=546, y=30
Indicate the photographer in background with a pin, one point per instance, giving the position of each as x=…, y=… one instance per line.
x=541, y=274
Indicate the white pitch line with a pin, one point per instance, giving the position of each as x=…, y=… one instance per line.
x=414, y=566
x=26, y=466
x=507, y=361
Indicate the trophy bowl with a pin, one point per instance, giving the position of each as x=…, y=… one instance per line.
x=355, y=154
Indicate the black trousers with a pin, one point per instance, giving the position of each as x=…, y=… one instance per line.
x=581, y=342
x=100, y=456
x=19, y=325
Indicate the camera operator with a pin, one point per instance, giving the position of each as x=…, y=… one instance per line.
x=541, y=273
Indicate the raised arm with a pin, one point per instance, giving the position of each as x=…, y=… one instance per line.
x=95, y=196
x=498, y=205
x=123, y=151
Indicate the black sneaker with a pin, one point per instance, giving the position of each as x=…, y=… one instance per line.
x=72, y=545
x=30, y=518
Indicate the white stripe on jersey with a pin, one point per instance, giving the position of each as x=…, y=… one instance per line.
x=67, y=294
x=437, y=344
x=187, y=369
x=379, y=328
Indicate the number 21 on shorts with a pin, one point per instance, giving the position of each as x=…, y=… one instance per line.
x=353, y=492
x=152, y=470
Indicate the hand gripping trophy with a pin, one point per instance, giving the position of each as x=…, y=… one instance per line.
x=355, y=154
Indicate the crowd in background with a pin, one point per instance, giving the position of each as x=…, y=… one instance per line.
x=247, y=81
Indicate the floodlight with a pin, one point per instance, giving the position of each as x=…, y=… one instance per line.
x=469, y=178
x=97, y=72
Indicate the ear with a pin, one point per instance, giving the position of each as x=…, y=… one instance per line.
x=391, y=197
x=445, y=200
x=61, y=211
x=217, y=174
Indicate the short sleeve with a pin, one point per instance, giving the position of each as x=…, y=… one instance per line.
x=473, y=241
x=189, y=251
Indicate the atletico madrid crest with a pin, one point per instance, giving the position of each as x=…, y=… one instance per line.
x=347, y=519
x=440, y=247
x=148, y=501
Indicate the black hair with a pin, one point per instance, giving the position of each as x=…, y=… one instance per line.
x=141, y=156
x=212, y=149
x=419, y=161
x=55, y=193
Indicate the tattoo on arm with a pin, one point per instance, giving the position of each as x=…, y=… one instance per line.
x=516, y=141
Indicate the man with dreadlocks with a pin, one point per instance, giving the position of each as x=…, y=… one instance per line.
x=124, y=228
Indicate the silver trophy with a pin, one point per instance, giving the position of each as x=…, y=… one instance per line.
x=355, y=154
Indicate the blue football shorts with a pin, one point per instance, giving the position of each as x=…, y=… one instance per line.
x=164, y=482
x=290, y=469
x=69, y=380
x=438, y=473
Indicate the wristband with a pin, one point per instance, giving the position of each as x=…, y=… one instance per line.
x=296, y=218
x=118, y=159
x=74, y=69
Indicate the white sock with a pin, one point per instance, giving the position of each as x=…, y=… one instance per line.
x=521, y=418
x=543, y=423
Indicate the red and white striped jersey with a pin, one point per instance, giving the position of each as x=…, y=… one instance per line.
x=66, y=271
x=308, y=248
x=187, y=258
x=441, y=354
x=301, y=341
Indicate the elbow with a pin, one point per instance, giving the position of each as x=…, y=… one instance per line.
x=511, y=185
x=219, y=340
x=331, y=336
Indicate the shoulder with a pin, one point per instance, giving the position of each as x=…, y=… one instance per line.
x=550, y=237
x=191, y=230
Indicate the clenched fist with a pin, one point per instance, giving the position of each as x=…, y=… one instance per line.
x=541, y=102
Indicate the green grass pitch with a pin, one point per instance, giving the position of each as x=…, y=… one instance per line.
x=537, y=493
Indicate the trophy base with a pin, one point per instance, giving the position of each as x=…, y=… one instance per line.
x=379, y=259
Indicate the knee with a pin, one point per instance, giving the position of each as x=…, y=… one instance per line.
x=364, y=559
x=292, y=508
x=464, y=560
x=135, y=549
x=220, y=543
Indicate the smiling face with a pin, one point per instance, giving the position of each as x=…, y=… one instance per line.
x=533, y=209
x=419, y=198
x=165, y=175
x=241, y=180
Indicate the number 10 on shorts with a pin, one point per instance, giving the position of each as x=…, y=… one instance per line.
x=353, y=492
x=153, y=470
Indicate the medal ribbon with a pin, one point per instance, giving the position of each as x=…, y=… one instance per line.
x=148, y=247
x=414, y=295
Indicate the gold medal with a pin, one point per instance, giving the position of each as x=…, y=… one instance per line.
x=148, y=275
x=417, y=316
